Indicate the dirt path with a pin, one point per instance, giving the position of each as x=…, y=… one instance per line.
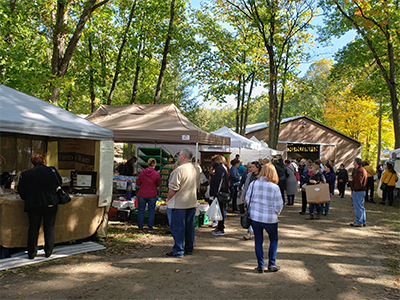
x=324, y=259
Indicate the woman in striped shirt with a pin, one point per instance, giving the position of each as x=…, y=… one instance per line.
x=264, y=202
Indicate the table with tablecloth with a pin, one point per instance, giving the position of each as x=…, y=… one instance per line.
x=76, y=220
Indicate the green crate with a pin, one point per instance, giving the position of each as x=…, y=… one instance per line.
x=196, y=222
x=205, y=219
x=154, y=152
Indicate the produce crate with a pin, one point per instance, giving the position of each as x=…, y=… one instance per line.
x=154, y=152
x=135, y=213
x=196, y=222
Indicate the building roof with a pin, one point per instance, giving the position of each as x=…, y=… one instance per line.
x=263, y=125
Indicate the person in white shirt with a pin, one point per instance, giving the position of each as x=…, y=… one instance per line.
x=264, y=202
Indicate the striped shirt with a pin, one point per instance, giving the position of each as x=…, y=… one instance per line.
x=266, y=201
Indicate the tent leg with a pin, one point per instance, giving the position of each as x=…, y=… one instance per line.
x=197, y=152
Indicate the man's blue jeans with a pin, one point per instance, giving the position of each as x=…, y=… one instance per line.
x=182, y=230
x=358, y=204
x=272, y=230
x=151, y=208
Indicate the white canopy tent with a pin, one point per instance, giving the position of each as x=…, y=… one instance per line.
x=24, y=114
x=237, y=141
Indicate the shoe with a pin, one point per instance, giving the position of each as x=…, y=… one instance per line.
x=215, y=230
x=171, y=254
x=48, y=255
x=248, y=236
x=236, y=212
x=259, y=270
x=218, y=232
x=151, y=230
x=273, y=268
x=188, y=253
x=213, y=224
x=342, y=197
x=311, y=217
x=140, y=230
x=383, y=203
x=325, y=214
x=32, y=255
x=356, y=225
x=364, y=224
x=302, y=213
x=390, y=204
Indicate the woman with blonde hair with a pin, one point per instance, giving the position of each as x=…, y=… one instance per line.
x=264, y=203
x=148, y=180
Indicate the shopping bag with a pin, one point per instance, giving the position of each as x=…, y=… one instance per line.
x=214, y=212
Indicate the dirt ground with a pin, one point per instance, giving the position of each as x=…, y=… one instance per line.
x=319, y=259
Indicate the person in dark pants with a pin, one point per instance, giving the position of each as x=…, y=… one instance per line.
x=282, y=174
x=234, y=180
x=343, y=178
x=390, y=178
x=37, y=187
x=370, y=181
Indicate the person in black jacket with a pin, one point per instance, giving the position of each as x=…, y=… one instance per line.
x=282, y=174
x=343, y=178
x=37, y=187
x=219, y=183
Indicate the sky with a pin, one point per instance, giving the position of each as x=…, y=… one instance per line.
x=318, y=52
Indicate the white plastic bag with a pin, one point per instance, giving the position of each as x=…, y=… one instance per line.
x=214, y=212
x=207, y=193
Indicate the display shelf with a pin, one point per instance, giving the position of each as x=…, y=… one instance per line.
x=152, y=152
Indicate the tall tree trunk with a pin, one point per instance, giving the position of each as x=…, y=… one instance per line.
x=103, y=61
x=165, y=54
x=68, y=102
x=253, y=75
x=242, y=106
x=61, y=59
x=238, y=103
x=91, y=78
x=138, y=62
x=121, y=50
x=379, y=133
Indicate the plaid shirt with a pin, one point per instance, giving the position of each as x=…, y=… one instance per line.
x=266, y=201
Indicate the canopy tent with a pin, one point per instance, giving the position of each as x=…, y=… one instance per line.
x=264, y=146
x=237, y=141
x=161, y=124
x=24, y=114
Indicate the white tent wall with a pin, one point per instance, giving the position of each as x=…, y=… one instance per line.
x=394, y=156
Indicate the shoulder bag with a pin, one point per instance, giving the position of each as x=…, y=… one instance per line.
x=245, y=220
x=384, y=185
x=63, y=197
x=224, y=197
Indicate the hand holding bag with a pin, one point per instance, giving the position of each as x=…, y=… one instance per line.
x=63, y=197
x=384, y=185
x=214, y=212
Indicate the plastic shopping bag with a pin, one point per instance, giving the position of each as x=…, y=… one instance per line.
x=214, y=212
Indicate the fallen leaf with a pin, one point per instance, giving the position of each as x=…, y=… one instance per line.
x=354, y=288
x=223, y=292
x=176, y=271
x=395, y=284
x=6, y=286
x=35, y=292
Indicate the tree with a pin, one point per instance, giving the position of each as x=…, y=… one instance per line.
x=280, y=25
x=377, y=24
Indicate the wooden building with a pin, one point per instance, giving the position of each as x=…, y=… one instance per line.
x=302, y=136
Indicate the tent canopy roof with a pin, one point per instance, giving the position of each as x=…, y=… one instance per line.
x=25, y=114
x=237, y=141
x=162, y=123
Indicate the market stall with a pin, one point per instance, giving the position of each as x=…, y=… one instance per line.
x=80, y=150
x=153, y=125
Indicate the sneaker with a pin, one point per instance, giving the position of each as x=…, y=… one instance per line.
x=356, y=225
x=140, y=230
x=259, y=270
x=218, y=232
x=151, y=230
x=215, y=230
x=273, y=268
x=171, y=254
x=213, y=224
x=248, y=236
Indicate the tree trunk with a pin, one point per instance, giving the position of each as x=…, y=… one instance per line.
x=238, y=103
x=68, y=99
x=379, y=133
x=137, y=72
x=242, y=106
x=91, y=78
x=165, y=54
x=61, y=58
x=121, y=50
x=103, y=60
x=248, y=102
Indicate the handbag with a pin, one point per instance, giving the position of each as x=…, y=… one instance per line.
x=245, y=220
x=62, y=196
x=223, y=197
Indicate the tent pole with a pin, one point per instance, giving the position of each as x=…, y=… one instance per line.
x=197, y=152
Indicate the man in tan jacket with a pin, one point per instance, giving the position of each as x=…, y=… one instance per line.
x=181, y=204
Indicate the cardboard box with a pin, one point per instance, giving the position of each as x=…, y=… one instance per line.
x=318, y=193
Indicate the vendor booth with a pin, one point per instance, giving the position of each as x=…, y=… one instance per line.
x=150, y=127
x=81, y=151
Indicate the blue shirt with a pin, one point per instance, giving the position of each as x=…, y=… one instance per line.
x=241, y=169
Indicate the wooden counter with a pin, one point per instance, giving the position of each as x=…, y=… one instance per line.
x=78, y=219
